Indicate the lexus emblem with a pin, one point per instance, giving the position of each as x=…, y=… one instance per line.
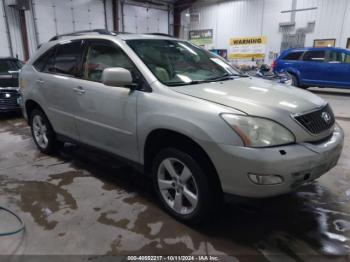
x=326, y=117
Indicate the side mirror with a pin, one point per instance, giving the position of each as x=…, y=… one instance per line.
x=116, y=76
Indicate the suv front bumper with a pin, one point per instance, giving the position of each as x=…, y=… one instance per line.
x=296, y=164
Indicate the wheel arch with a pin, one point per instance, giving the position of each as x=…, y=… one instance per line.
x=161, y=138
x=30, y=105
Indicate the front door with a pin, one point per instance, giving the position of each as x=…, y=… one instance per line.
x=312, y=68
x=106, y=116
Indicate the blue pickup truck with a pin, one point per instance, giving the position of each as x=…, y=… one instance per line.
x=321, y=67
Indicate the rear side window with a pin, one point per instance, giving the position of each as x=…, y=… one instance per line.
x=62, y=59
x=315, y=56
x=45, y=61
x=67, y=59
x=293, y=56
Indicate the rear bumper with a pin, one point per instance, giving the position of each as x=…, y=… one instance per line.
x=296, y=164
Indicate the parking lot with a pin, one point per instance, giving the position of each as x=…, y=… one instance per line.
x=82, y=202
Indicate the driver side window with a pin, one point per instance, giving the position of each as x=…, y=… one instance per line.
x=101, y=56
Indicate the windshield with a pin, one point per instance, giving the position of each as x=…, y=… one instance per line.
x=179, y=63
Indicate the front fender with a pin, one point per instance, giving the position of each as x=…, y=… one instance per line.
x=197, y=119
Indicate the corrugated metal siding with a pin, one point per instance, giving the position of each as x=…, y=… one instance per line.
x=239, y=18
x=328, y=17
x=272, y=16
x=262, y=17
x=346, y=26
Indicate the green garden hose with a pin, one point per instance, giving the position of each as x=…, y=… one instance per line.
x=21, y=227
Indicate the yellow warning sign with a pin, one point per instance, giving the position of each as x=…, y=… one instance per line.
x=247, y=47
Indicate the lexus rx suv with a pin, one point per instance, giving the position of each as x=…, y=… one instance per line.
x=321, y=67
x=9, y=94
x=184, y=116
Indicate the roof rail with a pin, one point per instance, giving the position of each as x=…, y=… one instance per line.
x=160, y=34
x=77, y=33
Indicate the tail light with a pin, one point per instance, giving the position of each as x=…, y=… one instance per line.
x=273, y=65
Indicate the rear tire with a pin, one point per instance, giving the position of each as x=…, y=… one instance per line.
x=183, y=189
x=43, y=134
x=295, y=82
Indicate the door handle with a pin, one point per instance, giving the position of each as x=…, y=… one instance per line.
x=40, y=81
x=79, y=90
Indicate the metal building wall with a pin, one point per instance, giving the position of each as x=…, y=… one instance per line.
x=46, y=18
x=241, y=18
x=331, y=17
x=15, y=32
x=5, y=48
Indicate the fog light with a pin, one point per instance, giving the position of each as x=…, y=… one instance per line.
x=265, y=179
x=7, y=95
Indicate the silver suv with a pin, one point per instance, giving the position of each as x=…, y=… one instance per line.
x=200, y=127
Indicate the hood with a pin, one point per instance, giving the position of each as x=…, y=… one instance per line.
x=255, y=96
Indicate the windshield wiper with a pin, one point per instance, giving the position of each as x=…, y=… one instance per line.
x=214, y=79
x=194, y=82
x=225, y=77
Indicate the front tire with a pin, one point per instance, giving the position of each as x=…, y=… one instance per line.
x=182, y=186
x=43, y=134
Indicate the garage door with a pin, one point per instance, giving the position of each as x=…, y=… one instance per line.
x=138, y=19
x=65, y=16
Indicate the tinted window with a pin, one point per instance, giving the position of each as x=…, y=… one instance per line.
x=67, y=59
x=45, y=61
x=293, y=56
x=4, y=66
x=340, y=57
x=315, y=56
x=101, y=56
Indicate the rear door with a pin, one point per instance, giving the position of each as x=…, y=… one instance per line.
x=57, y=79
x=338, y=67
x=313, y=70
x=106, y=115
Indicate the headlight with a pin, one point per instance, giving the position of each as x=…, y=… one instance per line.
x=259, y=132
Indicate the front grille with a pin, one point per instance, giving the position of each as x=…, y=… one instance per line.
x=10, y=82
x=317, y=121
x=8, y=99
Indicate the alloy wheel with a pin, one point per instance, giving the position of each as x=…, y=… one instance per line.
x=40, y=131
x=177, y=186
